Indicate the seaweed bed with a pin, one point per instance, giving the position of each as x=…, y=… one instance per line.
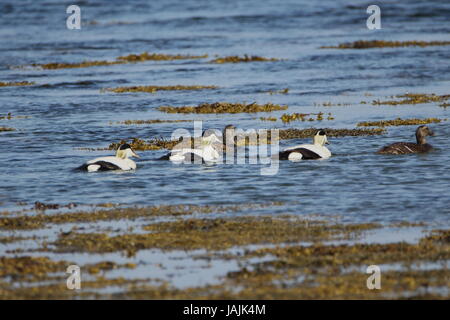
x=286, y=118
x=132, y=58
x=277, y=256
x=245, y=58
x=308, y=133
x=224, y=107
x=2, y=129
x=153, y=89
x=413, y=98
x=367, y=44
x=142, y=145
x=399, y=122
x=16, y=84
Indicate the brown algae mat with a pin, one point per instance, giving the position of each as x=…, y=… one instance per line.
x=5, y=129
x=154, y=89
x=293, y=133
x=367, y=44
x=245, y=58
x=224, y=107
x=277, y=257
x=286, y=118
x=413, y=98
x=209, y=234
x=145, y=56
x=399, y=122
x=16, y=84
x=142, y=145
x=132, y=58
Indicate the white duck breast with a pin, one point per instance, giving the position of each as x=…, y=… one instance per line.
x=314, y=151
x=118, y=162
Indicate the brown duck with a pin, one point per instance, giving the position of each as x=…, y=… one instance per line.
x=408, y=147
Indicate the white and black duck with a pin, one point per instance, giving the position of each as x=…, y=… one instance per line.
x=120, y=161
x=314, y=151
x=208, y=149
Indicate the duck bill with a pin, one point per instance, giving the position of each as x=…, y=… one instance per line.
x=134, y=154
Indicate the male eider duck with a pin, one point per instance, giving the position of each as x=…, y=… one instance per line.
x=314, y=151
x=118, y=162
x=409, y=147
x=205, y=152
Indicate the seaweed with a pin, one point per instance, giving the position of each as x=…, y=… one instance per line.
x=210, y=234
x=41, y=220
x=399, y=122
x=132, y=58
x=283, y=91
x=224, y=107
x=16, y=84
x=245, y=58
x=142, y=145
x=83, y=64
x=154, y=89
x=286, y=118
x=268, y=119
x=309, y=133
x=6, y=129
x=413, y=98
x=145, y=56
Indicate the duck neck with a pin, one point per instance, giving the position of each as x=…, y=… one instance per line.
x=121, y=154
x=420, y=138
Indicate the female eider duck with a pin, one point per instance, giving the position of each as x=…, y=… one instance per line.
x=314, y=151
x=409, y=147
x=118, y=162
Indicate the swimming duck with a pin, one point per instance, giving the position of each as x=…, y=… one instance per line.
x=314, y=151
x=118, y=162
x=212, y=145
x=409, y=147
x=205, y=152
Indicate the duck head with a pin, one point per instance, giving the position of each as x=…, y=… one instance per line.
x=320, y=138
x=422, y=132
x=209, y=137
x=125, y=151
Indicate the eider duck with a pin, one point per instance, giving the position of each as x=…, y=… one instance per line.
x=204, y=153
x=409, y=147
x=118, y=162
x=314, y=151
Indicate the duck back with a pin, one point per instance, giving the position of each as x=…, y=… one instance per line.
x=405, y=148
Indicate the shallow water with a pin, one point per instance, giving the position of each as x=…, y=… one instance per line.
x=71, y=112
